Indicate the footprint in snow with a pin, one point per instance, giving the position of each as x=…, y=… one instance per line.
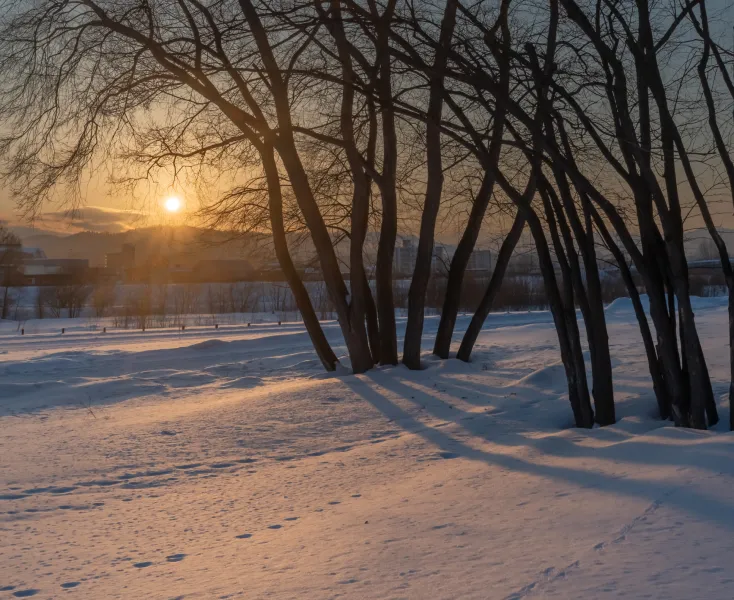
x=175, y=557
x=142, y=565
x=25, y=593
x=69, y=584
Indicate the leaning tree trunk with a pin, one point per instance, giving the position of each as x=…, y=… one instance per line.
x=303, y=302
x=489, y=160
x=373, y=329
x=591, y=302
x=580, y=402
x=359, y=222
x=434, y=188
x=569, y=282
x=569, y=344
x=653, y=362
x=458, y=266
x=598, y=341
x=495, y=283
x=353, y=330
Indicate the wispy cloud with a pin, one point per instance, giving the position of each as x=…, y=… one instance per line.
x=91, y=218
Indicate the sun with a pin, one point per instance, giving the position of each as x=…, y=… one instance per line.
x=172, y=204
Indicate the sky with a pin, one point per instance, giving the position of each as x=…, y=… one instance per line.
x=107, y=211
x=103, y=212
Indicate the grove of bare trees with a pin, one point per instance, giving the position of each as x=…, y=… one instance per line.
x=598, y=125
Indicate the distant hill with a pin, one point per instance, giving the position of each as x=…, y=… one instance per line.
x=25, y=233
x=177, y=245
x=187, y=245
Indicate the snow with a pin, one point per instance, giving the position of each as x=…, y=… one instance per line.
x=225, y=464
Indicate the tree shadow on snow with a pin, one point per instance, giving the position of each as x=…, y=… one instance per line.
x=486, y=427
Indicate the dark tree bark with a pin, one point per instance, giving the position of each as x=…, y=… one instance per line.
x=458, y=267
x=303, y=302
x=388, y=191
x=577, y=387
x=358, y=305
x=595, y=322
x=353, y=329
x=653, y=362
x=570, y=283
x=373, y=328
x=490, y=161
x=591, y=302
x=495, y=283
x=434, y=187
x=702, y=28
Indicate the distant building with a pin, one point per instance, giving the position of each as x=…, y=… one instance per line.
x=441, y=259
x=119, y=262
x=55, y=271
x=405, y=257
x=480, y=261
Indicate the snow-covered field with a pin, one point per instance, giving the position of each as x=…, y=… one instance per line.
x=225, y=464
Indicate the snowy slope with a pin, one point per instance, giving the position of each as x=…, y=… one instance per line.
x=227, y=465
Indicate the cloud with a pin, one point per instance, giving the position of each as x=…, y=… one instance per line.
x=91, y=218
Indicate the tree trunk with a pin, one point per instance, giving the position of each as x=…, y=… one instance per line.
x=388, y=193
x=358, y=304
x=580, y=404
x=570, y=351
x=495, y=283
x=731, y=358
x=373, y=328
x=603, y=389
x=653, y=361
x=303, y=302
x=353, y=330
x=434, y=187
x=601, y=366
x=570, y=280
x=458, y=267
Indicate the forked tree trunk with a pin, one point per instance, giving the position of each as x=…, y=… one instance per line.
x=653, y=362
x=593, y=305
x=359, y=302
x=489, y=159
x=458, y=266
x=598, y=341
x=578, y=398
x=495, y=283
x=570, y=280
x=564, y=319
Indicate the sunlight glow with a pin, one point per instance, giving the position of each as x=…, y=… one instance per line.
x=172, y=204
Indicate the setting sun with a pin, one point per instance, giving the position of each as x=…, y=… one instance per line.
x=172, y=204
